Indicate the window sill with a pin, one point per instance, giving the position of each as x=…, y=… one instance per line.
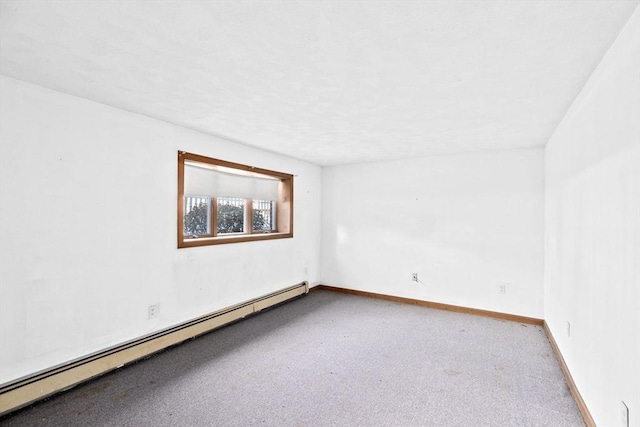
x=234, y=238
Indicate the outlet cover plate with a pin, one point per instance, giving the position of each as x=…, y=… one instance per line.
x=154, y=310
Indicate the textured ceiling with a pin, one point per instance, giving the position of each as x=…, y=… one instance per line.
x=325, y=81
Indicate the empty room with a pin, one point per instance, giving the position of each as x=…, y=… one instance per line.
x=313, y=213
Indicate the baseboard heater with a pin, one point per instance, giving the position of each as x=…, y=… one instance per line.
x=22, y=392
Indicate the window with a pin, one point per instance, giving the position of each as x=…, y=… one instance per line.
x=225, y=202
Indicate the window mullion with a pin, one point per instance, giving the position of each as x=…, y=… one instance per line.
x=214, y=216
x=248, y=216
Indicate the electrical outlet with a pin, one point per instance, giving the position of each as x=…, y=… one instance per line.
x=414, y=277
x=154, y=310
x=624, y=414
x=502, y=288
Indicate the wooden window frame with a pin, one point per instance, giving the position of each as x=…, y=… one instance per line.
x=284, y=207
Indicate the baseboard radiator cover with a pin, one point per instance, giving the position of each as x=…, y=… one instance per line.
x=24, y=391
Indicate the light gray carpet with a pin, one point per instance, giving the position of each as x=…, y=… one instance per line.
x=332, y=359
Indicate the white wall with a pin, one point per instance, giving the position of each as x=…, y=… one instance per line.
x=465, y=223
x=592, y=238
x=88, y=232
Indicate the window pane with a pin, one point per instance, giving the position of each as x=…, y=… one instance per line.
x=264, y=215
x=230, y=215
x=197, y=215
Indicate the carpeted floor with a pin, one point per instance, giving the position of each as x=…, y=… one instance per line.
x=331, y=359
